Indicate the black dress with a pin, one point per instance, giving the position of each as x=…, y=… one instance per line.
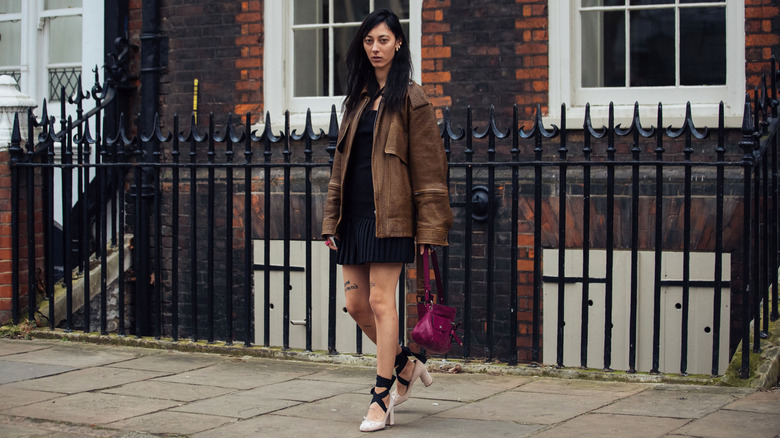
x=357, y=242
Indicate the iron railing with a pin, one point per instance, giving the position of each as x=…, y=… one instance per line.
x=512, y=191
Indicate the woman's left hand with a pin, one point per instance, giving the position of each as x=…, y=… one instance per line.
x=421, y=248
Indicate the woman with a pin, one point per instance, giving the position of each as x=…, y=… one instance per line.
x=387, y=189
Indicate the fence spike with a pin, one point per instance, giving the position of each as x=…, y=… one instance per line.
x=588, y=125
x=308, y=129
x=688, y=126
x=447, y=127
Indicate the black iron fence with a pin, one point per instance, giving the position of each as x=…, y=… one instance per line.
x=195, y=202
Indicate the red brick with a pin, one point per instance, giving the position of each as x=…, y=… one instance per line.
x=530, y=73
x=531, y=23
x=754, y=12
x=436, y=77
x=429, y=4
x=249, y=63
x=530, y=48
x=436, y=52
x=761, y=40
x=441, y=102
x=435, y=27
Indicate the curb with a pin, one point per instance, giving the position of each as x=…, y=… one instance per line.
x=434, y=364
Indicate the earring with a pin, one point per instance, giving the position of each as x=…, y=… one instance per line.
x=397, y=48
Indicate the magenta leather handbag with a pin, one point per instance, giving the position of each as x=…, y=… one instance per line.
x=435, y=329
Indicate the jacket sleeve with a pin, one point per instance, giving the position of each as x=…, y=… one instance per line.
x=428, y=171
x=332, y=211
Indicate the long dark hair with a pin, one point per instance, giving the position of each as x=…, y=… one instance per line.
x=361, y=73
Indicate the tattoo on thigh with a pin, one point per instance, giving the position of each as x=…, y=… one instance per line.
x=373, y=284
x=349, y=286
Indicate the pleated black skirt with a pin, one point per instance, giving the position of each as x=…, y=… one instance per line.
x=357, y=244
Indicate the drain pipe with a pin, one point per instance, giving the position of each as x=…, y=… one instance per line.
x=150, y=93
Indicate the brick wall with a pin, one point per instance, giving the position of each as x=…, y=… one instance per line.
x=220, y=44
x=472, y=55
x=762, y=38
x=6, y=236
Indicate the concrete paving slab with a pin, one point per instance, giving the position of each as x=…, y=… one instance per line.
x=87, y=379
x=672, y=403
x=78, y=356
x=168, y=390
x=170, y=362
x=349, y=374
x=244, y=373
x=465, y=387
x=581, y=387
x=613, y=426
x=416, y=408
x=13, y=397
x=16, y=371
x=351, y=408
x=173, y=423
x=236, y=405
x=91, y=408
x=306, y=390
x=729, y=424
x=278, y=426
x=16, y=346
x=436, y=427
x=25, y=428
x=766, y=402
x=526, y=407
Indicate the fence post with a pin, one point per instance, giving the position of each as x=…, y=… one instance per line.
x=11, y=102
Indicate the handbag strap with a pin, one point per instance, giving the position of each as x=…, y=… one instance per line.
x=429, y=252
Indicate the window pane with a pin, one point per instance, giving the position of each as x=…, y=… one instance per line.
x=352, y=11
x=652, y=48
x=702, y=1
x=63, y=77
x=310, y=11
x=603, y=49
x=65, y=39
x=61, y=4
x=311, y=63
x=399, y=7
x=10, y=43
x=342, y=36
x=702, y=46
x=10, y=6
x=594, y=3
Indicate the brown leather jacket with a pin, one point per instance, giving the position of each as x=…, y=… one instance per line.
x=409, y=167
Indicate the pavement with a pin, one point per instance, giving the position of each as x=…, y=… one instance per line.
x=60, y=389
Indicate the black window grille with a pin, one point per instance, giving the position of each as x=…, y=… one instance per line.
x=63, y=77
x=16, y=74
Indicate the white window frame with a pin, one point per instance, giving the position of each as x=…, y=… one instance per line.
x=17, y=16
x=278, y=71
x=34, y=68
x=565, y=79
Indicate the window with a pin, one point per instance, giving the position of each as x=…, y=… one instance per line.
x=305, y=45
x=648, y=51
x=11, y=39
x=61, y=25
x=46, y=44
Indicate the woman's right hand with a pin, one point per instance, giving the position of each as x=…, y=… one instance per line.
x=330, y=242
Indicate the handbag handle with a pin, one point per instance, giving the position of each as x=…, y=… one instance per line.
x=429, y=252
